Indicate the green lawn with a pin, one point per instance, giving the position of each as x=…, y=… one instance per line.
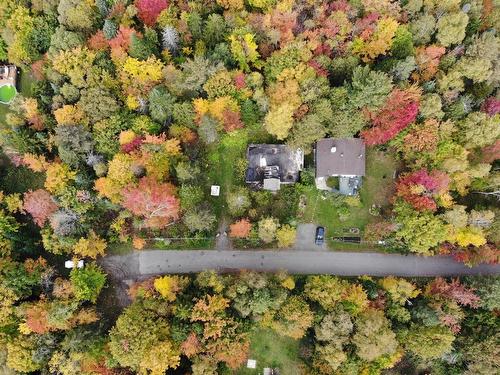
x=225, y=167
x=273, y=351
x=324, y=208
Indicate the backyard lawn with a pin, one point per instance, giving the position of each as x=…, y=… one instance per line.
x=225, y=167
x=273, y=351
x=328, y=210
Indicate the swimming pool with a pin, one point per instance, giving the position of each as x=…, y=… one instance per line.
x=7, y=93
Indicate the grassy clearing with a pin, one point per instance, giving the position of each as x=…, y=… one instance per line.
x=326, y=209
x=273, y=351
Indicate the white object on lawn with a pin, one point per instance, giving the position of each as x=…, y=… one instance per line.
x=71, y=264
x=251, y=363
x=215, y=190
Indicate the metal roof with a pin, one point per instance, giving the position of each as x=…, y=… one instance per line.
x=340, y=156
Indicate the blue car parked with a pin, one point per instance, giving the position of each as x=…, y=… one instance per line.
x=320, y=236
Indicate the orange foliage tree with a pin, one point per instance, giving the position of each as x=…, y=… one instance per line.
x=240, y=229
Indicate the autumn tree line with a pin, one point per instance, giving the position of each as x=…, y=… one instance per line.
x=132, y=102
x=201, y=324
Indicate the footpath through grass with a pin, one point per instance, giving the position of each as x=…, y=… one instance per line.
x=274, y=351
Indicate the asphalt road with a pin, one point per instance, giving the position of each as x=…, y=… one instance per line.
x=153, y=262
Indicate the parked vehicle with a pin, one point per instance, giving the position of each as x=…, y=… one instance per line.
x=320, y=236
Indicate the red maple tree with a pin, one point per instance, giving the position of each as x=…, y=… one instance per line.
x=98, y=42
x=40, y=205
x=419, y=188
x=453, y=290
x=149, y=10
x=399, y=111
x=491, y=153
x=491, y=106
x=155, y=202
x=122, y=38
x=191, y=346
x=472, y=256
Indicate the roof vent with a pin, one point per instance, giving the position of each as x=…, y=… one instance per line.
x=333, y=149
x=342, y=155
x=360, y=156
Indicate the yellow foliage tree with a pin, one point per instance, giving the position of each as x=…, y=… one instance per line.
x=75, y=64
x=119, y=175
x=20, y=353
x=30, y=106
x=19, y=26
x=244, y=50
x=214, y=108
x=379, y=43
x=286, y=236
x=355, y=298
x=13, y=202
x=279, y=120
x=159, y=358
x=157, y=164
x=231, y=4
x=172, y=147
x=58, y=176
x=167, y=286
x=469, y=236
x=91, y=247
x=288, y=283
x=287, y=91
x=126, y=136
x=400, y=290
x=69, y=115
x=139, y=76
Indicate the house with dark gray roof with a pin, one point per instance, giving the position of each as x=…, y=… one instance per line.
x=270, y=166
x=342, y=159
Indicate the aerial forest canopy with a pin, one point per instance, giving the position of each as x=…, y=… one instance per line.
x=128, y=111
x=133, y=101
